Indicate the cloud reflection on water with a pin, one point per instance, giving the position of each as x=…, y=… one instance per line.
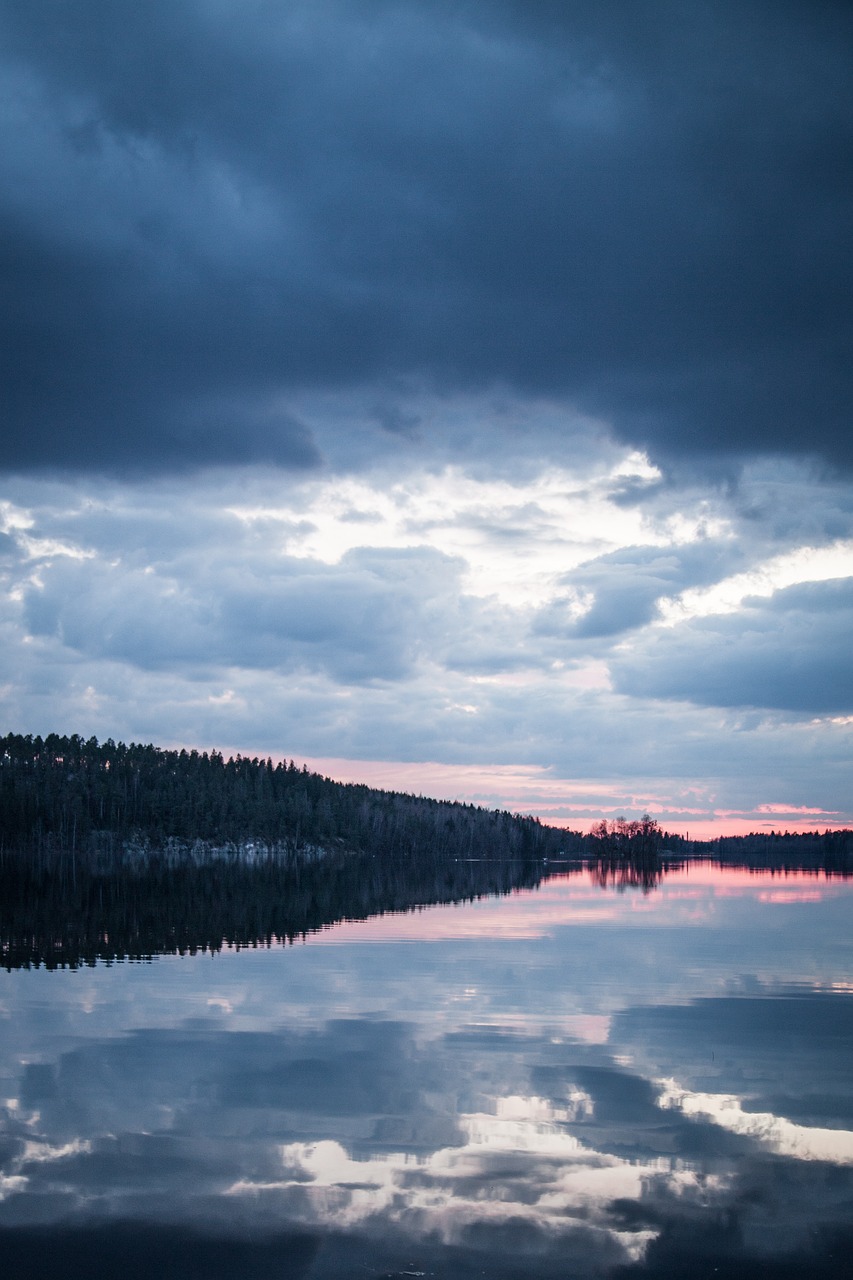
x=493, y=1103
x=519, y=1163
x=800, y=1142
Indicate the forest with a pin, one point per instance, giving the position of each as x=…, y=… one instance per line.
x=110, y=851
x=85, y=798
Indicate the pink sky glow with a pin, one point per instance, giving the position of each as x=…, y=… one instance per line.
x=575, y=803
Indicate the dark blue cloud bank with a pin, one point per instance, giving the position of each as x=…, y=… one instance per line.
x=210, y=206
x=434, y=382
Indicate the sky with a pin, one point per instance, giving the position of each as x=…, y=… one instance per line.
x=451, y=395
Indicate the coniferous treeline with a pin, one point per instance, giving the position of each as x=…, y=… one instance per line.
x=54, y=917
x=831, y=850
x=109, y=851
x=79, y=797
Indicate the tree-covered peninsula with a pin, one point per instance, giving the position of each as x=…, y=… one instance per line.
x=110, y=851
x=84, y=797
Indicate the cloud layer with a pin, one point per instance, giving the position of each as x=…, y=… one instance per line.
x=667, y=655
x=211, y=208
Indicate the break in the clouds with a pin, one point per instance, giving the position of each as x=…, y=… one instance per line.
x=452, y=385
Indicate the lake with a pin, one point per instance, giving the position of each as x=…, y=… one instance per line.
x=591, y=1074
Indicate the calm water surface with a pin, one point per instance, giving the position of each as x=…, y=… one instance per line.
x=568, y=1081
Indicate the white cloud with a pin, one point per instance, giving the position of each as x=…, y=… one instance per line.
x=801, y=565
x=536, y=1172
x=514, y=538
x=796, y=1141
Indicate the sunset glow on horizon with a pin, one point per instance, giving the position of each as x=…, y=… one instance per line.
x=576, y=805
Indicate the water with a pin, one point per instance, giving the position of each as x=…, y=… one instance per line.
x=576, y=1079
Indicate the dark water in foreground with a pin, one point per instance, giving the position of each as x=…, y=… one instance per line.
x=567, y=1081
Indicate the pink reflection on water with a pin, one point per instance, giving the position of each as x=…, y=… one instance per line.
x=791, y=895
x=686, y=895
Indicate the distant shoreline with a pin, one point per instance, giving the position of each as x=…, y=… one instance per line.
x=91, y=799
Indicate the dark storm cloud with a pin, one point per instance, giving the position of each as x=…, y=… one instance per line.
x=790, y=652
x=209, y=207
